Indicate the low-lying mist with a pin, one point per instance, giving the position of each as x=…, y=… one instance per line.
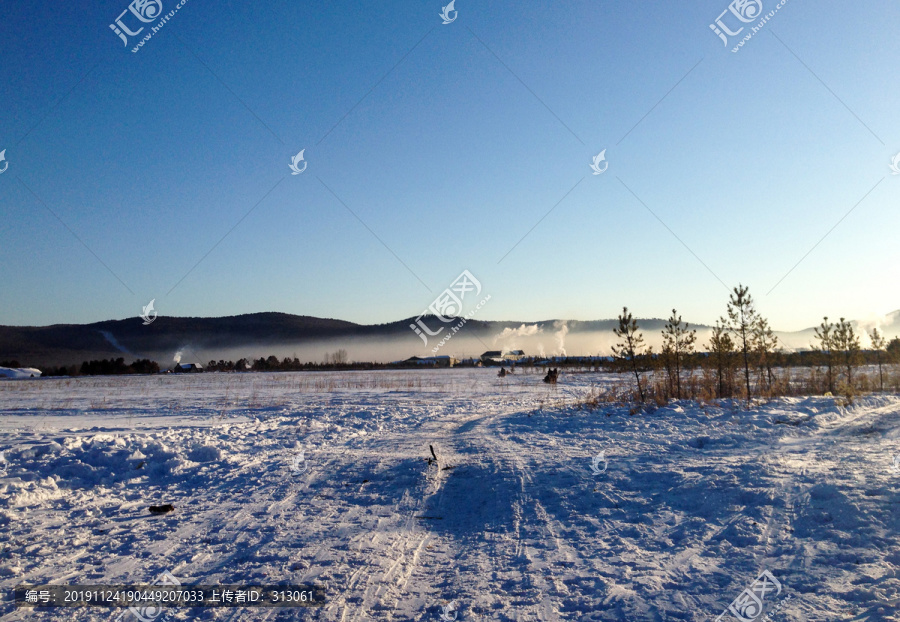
x=559, y=341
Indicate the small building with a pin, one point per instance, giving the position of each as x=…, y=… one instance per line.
x=498, y=356
x=432, y=361
x=491, y=356
x=188, y=368
x=444, y=361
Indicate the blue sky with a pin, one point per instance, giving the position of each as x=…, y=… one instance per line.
x=449, y=158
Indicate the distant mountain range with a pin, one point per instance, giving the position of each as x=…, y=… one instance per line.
x=261, y=334
x=65, y=344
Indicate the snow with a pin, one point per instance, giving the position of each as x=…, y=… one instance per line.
x=19, y=373
x=324, y=478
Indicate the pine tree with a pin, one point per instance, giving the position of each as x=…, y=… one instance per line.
x=765, y=344
x=879, y=345
x=847, y=341
x=678, y=342
x=630, y=345
x=825, y=335
x=742, y=317
x=721, y=347
x=667, y=358
x=893, y=350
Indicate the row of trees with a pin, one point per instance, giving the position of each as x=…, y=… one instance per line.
x=840, y=349
x=743, y=356
x=112, y=367
x=104, y=367
x=338, y=360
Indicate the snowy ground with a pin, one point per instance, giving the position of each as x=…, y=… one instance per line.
x=682, y=511
x=19, y=373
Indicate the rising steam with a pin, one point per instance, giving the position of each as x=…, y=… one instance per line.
x=521, y=331
x=560, y=336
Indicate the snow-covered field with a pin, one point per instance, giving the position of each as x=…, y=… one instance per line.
x=536, y=509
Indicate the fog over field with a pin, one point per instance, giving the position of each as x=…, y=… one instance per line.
x=539, y=340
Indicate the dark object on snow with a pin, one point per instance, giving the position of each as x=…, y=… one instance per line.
x=141, y=464
x=161, y=509
x=502, y=372
x=433, y=459
x=552, y=376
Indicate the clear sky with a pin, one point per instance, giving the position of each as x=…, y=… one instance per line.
x=432, y=148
